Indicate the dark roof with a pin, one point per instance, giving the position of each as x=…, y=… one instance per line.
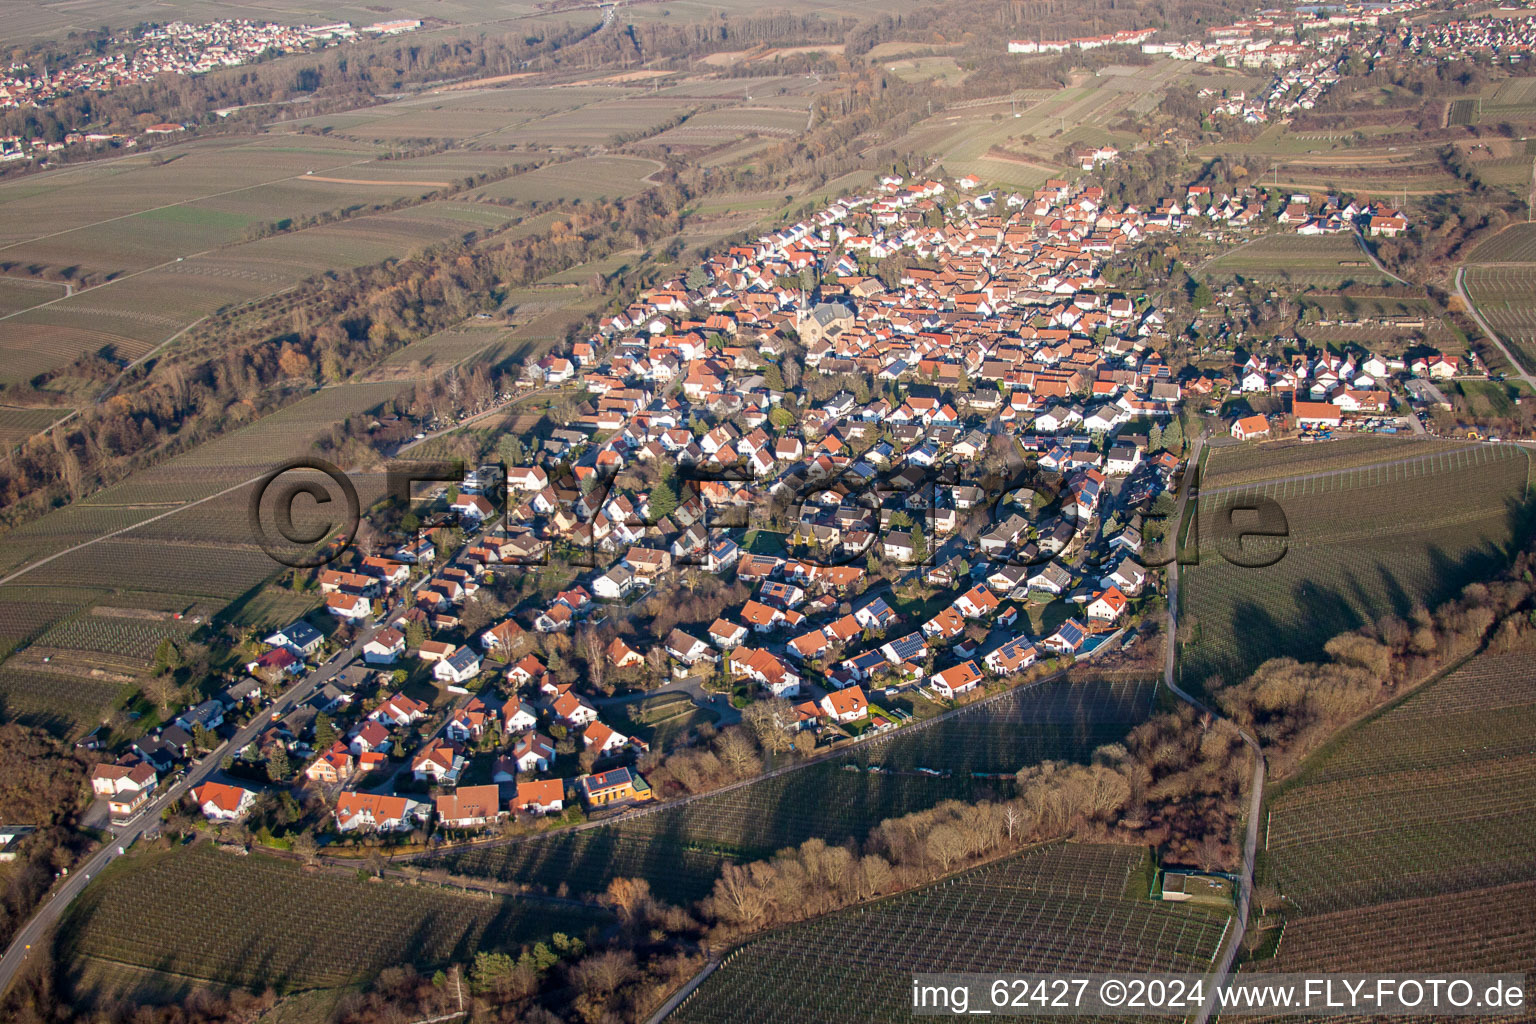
x=908, y=646
x=301, y=634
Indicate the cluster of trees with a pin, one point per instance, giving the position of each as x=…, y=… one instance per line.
x=44, y=786
x=1292, y=707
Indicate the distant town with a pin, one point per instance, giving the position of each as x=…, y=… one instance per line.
x=173, y=49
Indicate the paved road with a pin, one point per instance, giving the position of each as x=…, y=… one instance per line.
x=35, y=931
x=1223, y=969
x=1492, y=334
x=1360, y=239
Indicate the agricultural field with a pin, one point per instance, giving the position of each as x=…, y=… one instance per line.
x=132, y=315
x=226, y=462
x=1506, y=297
x=726, y=124
x=126, y=636
x=65, y=704
x=1064, y=907
x=1403, y=846
x=17, y=425
x=438, y=352
x=1320, y=261
x=587, y=178
x=1350, y=556
x=76, y=197
x=834, y=800
x=136, y=914
x=18, y=293
x=1515, y=244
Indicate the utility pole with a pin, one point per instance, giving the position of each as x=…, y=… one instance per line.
x=458, y=987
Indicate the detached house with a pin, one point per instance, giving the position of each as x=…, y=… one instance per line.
x=534, y=752
x=954, y=681
x=385, y=648
x=1013, y=656
x=459, y=667
x=399, y=710
x=545, y=796
x=470, y=807
x=373, y=812
x=441, y=761
x=220, y=802
x=845, y=705
x=687, y=649
x=1107, y=606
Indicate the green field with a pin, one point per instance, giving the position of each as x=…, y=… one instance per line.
x=1405, y=845
x=1060, y=908
x=680, y=849
x=1322, y=261
x=137, y=914
x=1351, y=555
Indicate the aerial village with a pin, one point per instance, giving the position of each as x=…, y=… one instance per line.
x=173, y=49
x=861, y=502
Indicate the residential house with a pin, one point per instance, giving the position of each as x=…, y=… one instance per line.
x=220, y=802
x=470, y=807
x=956, y=680
x=374, y=812
x=846, y=705
x=334, y=764
x=541, y=796
x=459, y=667
x=440, y=761
x=1011, y=656
x=385, y=648
x=534, y=752
x=619, y=785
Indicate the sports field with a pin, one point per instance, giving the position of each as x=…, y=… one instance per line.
x=1065, y=907
x=1353, y=554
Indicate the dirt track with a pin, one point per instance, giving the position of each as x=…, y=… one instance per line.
x=372, y=181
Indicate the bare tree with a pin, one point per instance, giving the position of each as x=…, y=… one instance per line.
x=737, y=752
x=946, y=844
x=590, y=642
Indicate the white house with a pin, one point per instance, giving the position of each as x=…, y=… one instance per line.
x=220, y=802
x=459, y=667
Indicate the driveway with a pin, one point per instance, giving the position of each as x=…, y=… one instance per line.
x=693, y=688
